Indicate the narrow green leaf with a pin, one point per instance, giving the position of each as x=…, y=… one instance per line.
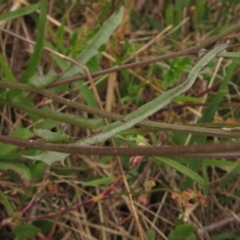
x=100, y=181
x=6, y=70
x=184, y=170
x=231, y=175
x=169, y=14
x=49, y=157
x=230, y=54
x=211, y=109
x=87, y=94
x=19, y=12
x=36, y=55
x=211, y=162
x=200, y=9
x=52, y=137
x=155, y=105
x=60, y=35
x=20, y=170
x=209, y=113
x=6, y=203
x=183, y=98
x=96, y=42
x=226, y=236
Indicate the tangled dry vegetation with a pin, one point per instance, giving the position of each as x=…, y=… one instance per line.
x=147, y=29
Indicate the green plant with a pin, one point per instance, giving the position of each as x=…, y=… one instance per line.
x=48, y=135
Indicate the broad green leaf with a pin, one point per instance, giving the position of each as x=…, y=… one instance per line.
x=6, y=203
x=37, y=53
x=52, y=137
x=49, y=157
x=23, y=133
x=96, y=42
x=150, y=235
x=42, y=81
x=37, y=169
x=25, y=231
x=19, y=12
x=182, y=232
x=20, y=170
x=94, y=63
x=184, y=170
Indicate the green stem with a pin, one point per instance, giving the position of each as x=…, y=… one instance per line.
x=150, y=125
x=61, y=117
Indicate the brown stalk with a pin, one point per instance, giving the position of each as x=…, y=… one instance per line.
x=189, y=51
x=223, y=149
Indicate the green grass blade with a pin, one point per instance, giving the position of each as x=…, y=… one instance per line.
x=184, y=170
x=43, y=80
x=52, y=137
x=87, y=94
x=213, y=106
x=19, y=12
x=230, y=54
x=49, y=157
x=36, y=55
x=209, y=113
x=6, y=204
x=230, y=175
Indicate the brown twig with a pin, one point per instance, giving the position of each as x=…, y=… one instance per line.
x=223, y=149
x=189, y=51
x=218, y=224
